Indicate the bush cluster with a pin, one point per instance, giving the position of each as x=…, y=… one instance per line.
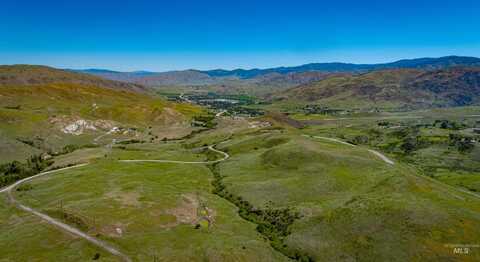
x=15, y=170
x=271, y=222
x=461, y=143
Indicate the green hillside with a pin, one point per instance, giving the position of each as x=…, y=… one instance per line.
x=44, y=109
x=352, y=205
x=388, y=89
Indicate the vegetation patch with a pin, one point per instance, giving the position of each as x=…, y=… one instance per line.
x=207, y=121
x=15, y=171
x=273, y=223
x=288, y=159
x=24, y=187
x=70, y=217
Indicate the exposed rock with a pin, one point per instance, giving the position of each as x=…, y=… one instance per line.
x=78, y=126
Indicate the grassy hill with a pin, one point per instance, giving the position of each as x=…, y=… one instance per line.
x=353, y=206
x=44, y=109
x=398, y=88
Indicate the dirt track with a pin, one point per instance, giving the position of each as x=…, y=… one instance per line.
x=75, y=231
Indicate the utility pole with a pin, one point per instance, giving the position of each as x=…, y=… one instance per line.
x=61, y=209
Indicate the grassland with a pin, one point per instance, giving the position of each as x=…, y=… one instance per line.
x=155, y=206
x=434, y=153
x=26, y=238
x=351, y=204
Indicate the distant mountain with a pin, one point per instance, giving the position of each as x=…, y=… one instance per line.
x=187, y=77
x=220, y=76
x=116, y=75
x=419, y=63
x=394, y=88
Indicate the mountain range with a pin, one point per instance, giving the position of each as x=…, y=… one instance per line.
x=220, y=76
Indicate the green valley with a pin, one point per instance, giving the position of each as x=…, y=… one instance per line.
x=343, y=168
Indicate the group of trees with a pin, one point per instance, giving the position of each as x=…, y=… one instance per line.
x=323, y=110
x=69, y=149
x=15, y=170
x=411, y=139
x=359, y=140
x=271, y=222
x=447, y=124
x=461, y=143
x=204, y=121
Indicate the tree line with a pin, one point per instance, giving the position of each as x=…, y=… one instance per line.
x=15, y=170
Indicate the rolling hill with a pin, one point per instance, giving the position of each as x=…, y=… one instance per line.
x=17, y=75
x=44, y=109
x=392, y=88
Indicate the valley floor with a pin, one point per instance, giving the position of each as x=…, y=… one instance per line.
x=260, y=193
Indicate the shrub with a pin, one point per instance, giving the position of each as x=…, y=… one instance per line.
x=461, y=143
x=14, y=171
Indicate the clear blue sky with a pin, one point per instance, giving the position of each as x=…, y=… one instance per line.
x=165, y=35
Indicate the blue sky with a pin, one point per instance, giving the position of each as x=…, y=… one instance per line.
x=170, y=35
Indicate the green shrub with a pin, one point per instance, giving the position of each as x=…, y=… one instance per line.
x=271, y=222
x=14, y=171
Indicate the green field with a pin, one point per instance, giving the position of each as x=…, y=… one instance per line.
x=354, y=205
x=432, y=150
x=351, y=205
x=156, y=207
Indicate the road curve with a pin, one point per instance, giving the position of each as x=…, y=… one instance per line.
x=378, y=154
x=387, y=160
x=10, y=187
x=225, y=157
x=331, y=139
x=381, y=156
x=75, y=231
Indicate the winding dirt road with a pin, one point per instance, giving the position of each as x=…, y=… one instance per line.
x=10, y=187
x=225, y=157
x=381, y=156
x=75, y=231
x=378, y=154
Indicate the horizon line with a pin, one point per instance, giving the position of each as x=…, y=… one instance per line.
x=236, y=68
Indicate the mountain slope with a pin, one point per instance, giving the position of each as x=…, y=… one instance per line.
x=115, y=75
x=33, y=75
x=246, y=81
x=187, y=77
x=43, y=109
x=408, y=88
